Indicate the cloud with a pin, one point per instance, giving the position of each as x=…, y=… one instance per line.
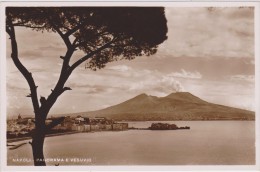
x=186, y=74
x=120, y=68
x=35, y=45
x=247, y=78
x=161, y=85
x=30, y=54
x=142, y=80
x=130, y=81
x=88, y=89
x=13, y=87
x=241, y=13
x=196, y=32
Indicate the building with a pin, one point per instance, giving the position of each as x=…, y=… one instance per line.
x=79, y=119
x=24, y=126
x=119, y=126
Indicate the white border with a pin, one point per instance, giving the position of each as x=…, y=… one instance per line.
x=3, y=87
x=257, y=82
x=166, y=3
x=127, y=3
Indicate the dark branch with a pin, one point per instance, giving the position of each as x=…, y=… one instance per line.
x=84, y=58
x=100, y=34
x=66, y=88
x=79, y=26
x=28, y=26
x=75, y=41
x=64, y=37
x=42, y=100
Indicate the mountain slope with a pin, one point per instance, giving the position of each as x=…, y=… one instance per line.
x=176, y=106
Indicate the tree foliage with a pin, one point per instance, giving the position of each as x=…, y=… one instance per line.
x=126, y=32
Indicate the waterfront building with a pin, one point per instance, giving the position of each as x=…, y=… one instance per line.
x=79, y=119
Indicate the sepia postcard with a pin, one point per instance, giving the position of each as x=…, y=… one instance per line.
x=129, y=86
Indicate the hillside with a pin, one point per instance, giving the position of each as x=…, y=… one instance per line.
x=176, y=106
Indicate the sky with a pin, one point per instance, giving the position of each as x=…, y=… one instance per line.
x=209, y=53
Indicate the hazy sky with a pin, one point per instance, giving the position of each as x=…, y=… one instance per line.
x=208, y=53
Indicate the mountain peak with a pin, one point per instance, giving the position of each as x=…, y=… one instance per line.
x=185, y=96
x=180, y=93
x=142, y=95
x=177, y=94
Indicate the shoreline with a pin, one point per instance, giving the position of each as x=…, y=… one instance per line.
x=52, y=135
x=48, y=135
x=75, y=132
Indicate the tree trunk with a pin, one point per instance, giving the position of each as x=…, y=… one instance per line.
x=37, y=145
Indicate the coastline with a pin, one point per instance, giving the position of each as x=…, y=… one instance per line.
x=130, y=128
x=48, y=135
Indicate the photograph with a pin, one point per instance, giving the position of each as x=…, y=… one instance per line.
x=130, y=85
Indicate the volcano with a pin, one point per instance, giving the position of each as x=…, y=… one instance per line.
x=176, y=106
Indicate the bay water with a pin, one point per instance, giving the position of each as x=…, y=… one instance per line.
x=206, y=143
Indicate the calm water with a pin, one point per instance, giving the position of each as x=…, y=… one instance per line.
x=206, y=143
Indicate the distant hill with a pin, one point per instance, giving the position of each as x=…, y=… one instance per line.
x=176, y=106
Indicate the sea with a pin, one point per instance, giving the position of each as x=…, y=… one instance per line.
x=206, y=143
